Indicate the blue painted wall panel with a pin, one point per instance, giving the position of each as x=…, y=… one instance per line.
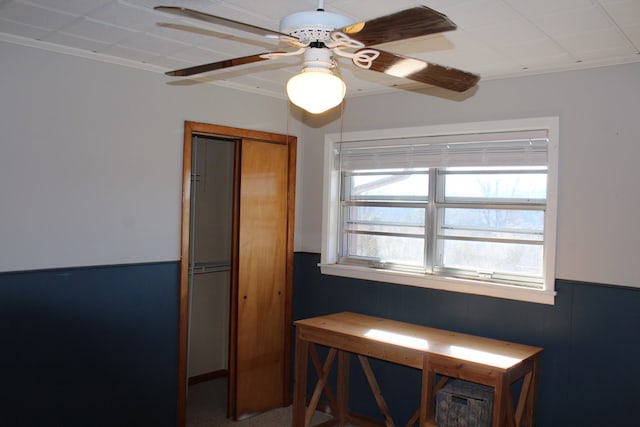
x=98, y=345
x=591, y=337
x=93, y=346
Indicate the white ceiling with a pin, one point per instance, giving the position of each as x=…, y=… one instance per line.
x=495, y=38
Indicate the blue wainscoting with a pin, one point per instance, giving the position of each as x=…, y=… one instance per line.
x=97, y=346
x=91, y=346
x=590, y=370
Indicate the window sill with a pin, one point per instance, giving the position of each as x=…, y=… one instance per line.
x=441, y=283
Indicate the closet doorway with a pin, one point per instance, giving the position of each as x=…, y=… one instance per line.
x=251, y=223
x=210, y=256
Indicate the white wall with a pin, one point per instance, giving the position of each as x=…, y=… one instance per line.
x=91, y=157
x=599, y=176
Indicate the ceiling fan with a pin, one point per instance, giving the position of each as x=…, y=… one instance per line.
x=321, y=36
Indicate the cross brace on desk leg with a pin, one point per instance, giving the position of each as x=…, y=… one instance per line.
x=302, y=414
x=322, y=385
x=375, y=388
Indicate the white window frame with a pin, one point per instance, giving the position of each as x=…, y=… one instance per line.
x=331, y=212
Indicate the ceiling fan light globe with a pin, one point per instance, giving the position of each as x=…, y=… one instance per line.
x=316, y=90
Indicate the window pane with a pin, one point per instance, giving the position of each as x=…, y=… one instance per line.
x=398, y=217
x=374, y=223
x=514, y=256
x=493, y=223
x=383, y=186
x=491, y=257
x=401, y=250
x=495, y=184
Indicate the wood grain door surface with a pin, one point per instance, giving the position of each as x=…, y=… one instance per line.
x=262, y=275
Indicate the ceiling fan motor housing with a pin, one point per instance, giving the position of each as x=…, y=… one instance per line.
x=313, y=25
x=318, y=58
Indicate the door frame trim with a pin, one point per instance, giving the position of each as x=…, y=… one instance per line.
x=197, y=128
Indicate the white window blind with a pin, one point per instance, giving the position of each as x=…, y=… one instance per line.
x=519, y=148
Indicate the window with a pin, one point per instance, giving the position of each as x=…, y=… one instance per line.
x=469, y=210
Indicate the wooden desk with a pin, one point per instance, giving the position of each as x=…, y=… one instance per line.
x=451, y=355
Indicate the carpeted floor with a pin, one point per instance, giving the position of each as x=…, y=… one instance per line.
x=207, y=407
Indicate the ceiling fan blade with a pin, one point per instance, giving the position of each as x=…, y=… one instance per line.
x=218, y=20
x=424, y=72
x=406, y=24
x=227, y=63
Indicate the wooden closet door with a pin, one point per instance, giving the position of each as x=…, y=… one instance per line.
x=259, y=380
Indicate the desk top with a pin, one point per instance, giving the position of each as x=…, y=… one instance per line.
x=479, y=350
